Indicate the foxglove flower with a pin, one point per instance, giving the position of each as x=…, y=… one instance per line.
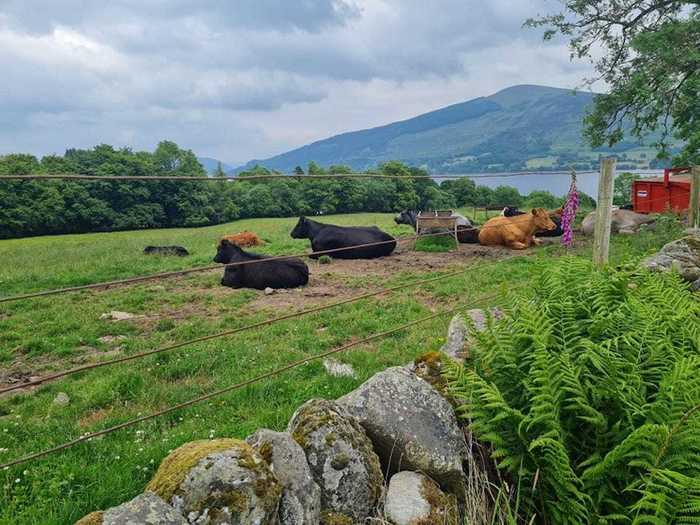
x=569, y=213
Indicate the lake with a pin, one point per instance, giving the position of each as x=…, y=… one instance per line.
x=554, y=182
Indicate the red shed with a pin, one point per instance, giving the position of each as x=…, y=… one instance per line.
x=656, y=195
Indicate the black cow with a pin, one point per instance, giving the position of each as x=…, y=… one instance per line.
x=329, y=237
x=407, y=217
x=512, y=211
x=166, y=250
x=280, y=273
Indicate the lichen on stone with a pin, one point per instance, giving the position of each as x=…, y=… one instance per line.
x=94, y=518
x=219, y=481
x=429, y=367
x=340, y=461
x=443, y=507
x=341, y=457
x=335, y=518
x=177, y=464
x=265, y=450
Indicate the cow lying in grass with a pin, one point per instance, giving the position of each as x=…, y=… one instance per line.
x=516, y=232
x=166, y=250
x=330, y=237
x=622, y=221
x=281, y=273
x=244, y=239
x=512, y=211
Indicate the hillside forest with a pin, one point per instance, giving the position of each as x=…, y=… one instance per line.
x=63, y=206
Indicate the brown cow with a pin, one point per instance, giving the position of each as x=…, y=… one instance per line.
x=516, y=232
x=244, y=239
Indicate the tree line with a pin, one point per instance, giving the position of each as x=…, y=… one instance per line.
x=47, y=207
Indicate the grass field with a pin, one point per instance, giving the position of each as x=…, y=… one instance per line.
x=40, y=335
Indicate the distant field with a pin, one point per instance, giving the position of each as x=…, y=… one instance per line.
x=40, y=335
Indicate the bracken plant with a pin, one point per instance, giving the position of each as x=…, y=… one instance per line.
x=588, y=394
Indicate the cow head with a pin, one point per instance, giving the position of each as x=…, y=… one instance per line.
x=542, y=219
x=556, y=213
x=511, y=211
x=227, y=252
x=406, y=217
x=301, y=230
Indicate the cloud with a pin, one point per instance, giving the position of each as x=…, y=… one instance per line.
x=251, y=78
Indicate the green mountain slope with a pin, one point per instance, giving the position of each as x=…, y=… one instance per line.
x=521, y=127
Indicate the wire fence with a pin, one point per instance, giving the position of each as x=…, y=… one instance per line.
x=267, y=322
x=256, y=379
x=287, y=176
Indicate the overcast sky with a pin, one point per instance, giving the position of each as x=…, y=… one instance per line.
x=244, y=79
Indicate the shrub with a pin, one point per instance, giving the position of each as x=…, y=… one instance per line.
x=588, y=394
x=324, y=259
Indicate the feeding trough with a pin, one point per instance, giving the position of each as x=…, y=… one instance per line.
x=428, y=221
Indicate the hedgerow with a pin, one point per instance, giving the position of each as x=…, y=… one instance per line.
x=588, y=394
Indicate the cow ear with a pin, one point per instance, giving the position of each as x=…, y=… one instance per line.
x=534, y=211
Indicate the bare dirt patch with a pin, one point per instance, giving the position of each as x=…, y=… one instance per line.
x=344, y=278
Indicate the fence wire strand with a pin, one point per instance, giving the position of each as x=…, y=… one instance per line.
x=256, y=379
x=187, y=271
x=288, y=176
x=267, y=322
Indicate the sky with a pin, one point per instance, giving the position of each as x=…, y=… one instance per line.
x=244, y=79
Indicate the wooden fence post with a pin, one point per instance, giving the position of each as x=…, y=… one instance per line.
x=694, y=211
x=603, y=218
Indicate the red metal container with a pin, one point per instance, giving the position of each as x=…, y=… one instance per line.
x=657, y=195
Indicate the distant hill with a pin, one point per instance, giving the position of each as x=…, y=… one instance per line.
x=520, y=127
x=210, y=164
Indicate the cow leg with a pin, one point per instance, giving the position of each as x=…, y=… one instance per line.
x=517, y=245
x=537, y=242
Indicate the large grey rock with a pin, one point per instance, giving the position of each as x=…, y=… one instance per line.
x=682, y=255
x=456, y=336
x=146, y=509
x=301, y=496
x=412, y=498
x=221, y=481
x=622, y=221
x=341, y=459
x=411, y=425
x=480, y=317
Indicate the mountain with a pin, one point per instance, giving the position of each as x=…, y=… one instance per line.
x=520, y=127
x=210, y=164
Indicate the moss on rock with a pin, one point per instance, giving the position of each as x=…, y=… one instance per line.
x=443, y=507
x=224, y=480
x=341, y=458
x=429, y=367
x=94, y=518
x=335, y=518
x=179, y=462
